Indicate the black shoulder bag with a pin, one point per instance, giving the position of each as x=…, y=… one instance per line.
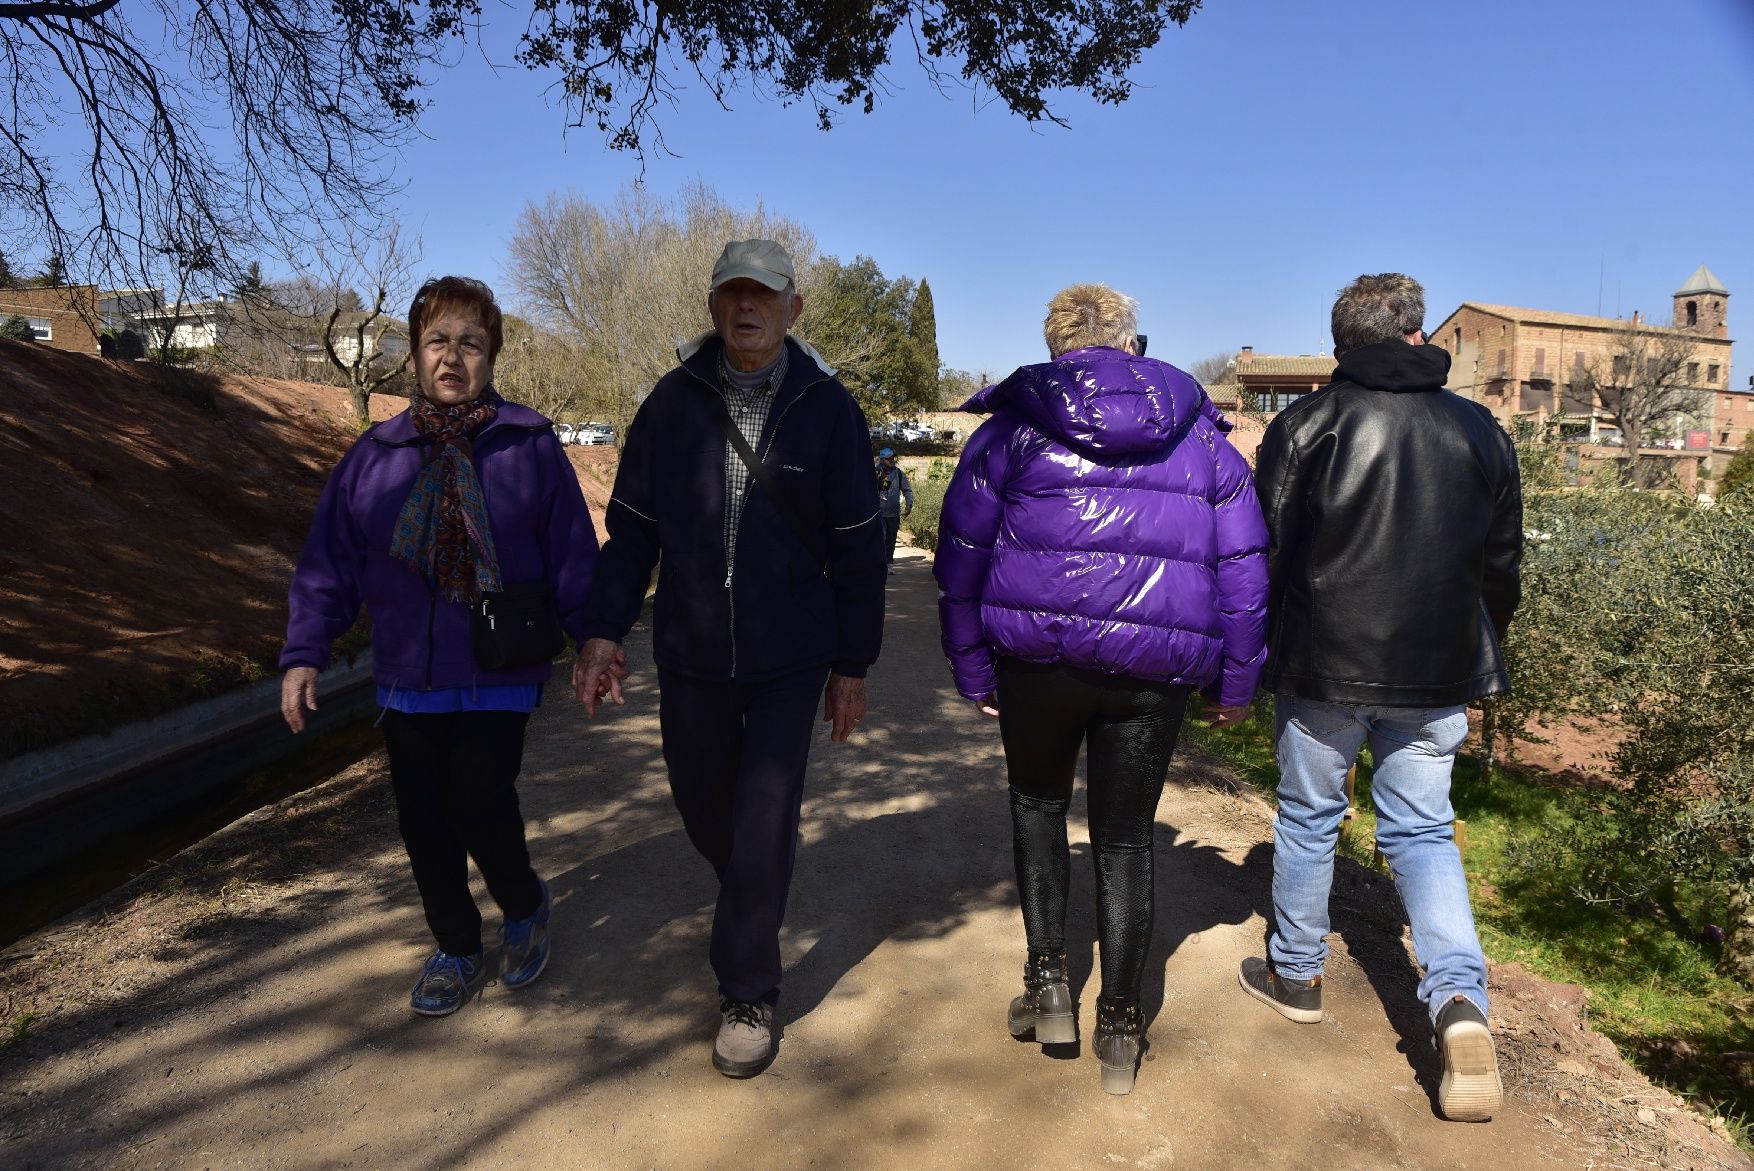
x=763, y=475
x=518, y=626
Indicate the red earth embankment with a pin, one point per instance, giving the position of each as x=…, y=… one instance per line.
x=151, y=530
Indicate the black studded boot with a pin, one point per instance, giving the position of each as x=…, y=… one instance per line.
x=1119, y=1032
x=1045, y=1008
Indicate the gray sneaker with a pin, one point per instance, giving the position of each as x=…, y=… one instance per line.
x=1471, y=1090
x=745, y=1046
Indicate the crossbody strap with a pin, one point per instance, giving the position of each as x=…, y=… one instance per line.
x=763, y=475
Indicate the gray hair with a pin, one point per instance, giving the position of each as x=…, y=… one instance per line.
x=1377, y=308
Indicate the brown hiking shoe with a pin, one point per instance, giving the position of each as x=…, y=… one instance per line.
x=1295, y=1000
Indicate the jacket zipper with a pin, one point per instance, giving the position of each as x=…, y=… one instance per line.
x=731, y=552
x=431, y=622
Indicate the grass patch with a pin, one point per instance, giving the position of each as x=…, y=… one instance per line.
x=1653, y=982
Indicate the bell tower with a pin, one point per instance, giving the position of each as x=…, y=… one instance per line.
x=1702, y=305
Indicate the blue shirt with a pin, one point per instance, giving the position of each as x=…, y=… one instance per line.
x=511, y=697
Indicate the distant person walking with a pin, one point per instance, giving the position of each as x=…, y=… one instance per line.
x=1396, y=519
x=895, y=499
x=463, y=500
x=1101, y=555
x=745, y=481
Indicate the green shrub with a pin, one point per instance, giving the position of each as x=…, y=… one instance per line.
x=922, y=522
x=1738, y=473
x=17, y=329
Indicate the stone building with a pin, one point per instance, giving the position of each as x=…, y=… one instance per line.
x=1520, y=362
x=64, y=316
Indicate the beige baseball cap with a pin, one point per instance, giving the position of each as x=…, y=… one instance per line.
x=762, y=261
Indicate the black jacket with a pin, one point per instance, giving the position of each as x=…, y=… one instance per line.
x=769, y=609
x=1394, y=514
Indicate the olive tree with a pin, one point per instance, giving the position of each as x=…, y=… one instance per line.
x=1636, y=610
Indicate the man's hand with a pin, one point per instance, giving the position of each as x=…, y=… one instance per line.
x=988, y=704
x=598, y=670
x=1224, y=717
x=843, y=705
x=298, y=693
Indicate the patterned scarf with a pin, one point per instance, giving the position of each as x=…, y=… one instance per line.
x=443, y=532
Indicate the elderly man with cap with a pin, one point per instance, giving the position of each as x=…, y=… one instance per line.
x=744, y=481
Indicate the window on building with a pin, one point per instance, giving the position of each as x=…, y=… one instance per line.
x=1501, y=365
x=1577, y=359
x=1693, y=374
x=1711, y=374
x=1540, y=361
x=1693, y=313
x=1622, y=365
x=42, y=328
x=1458, y=339
x=1535, y=397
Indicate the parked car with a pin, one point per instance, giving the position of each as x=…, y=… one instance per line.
x=903, y=432
x=595, y=433
x=565, y=432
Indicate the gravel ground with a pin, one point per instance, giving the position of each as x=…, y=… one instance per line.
x=244, y=1004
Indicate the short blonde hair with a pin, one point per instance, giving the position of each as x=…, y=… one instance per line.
x=1089, y=315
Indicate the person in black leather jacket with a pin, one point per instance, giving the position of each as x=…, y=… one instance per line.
x=1394, y=514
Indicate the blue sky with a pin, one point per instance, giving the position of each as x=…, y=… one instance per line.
x=1562, y=154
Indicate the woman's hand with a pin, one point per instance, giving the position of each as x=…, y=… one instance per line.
x=988, y=704
x=597, y=672
x=298, y=694
x=843, y=705
x=1224, y=717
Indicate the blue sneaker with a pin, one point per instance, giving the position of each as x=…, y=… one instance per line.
x=523, y=951
x=446, y=982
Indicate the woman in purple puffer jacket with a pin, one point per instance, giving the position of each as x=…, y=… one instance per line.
x=1101, y=554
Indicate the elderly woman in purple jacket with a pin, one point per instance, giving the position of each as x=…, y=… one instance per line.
x=461, y=495
x=1101, y=555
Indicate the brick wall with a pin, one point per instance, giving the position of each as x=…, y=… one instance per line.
x=71, y=311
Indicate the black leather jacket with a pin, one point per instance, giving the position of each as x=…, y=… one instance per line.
x=1395, y=519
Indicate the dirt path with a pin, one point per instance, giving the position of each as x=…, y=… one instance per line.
x=245, y=1005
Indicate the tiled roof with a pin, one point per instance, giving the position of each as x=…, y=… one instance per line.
x=1702, y=281
x=1549, y=317
x=1313, y=365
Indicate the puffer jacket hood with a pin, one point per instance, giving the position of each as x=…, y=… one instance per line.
x=1101, y=520
x=1102, y=402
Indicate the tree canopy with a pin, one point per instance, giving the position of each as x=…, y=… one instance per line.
x=317, y=94
x=877, y=332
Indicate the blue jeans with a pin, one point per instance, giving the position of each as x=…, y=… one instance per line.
x=1414, y=749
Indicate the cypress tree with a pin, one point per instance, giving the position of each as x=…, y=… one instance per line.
x=922, y=331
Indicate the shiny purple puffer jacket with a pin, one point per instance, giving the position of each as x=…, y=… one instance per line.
x=1101, y=519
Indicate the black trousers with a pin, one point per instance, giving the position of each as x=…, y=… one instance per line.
x=736, y=754
x=891, y=528
x=1129, y=728
x=454, y=777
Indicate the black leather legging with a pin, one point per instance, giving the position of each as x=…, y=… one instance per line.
x=1046, y=713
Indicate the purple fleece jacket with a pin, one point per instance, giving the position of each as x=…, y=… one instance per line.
x=541, y=529
x=1101, y=519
